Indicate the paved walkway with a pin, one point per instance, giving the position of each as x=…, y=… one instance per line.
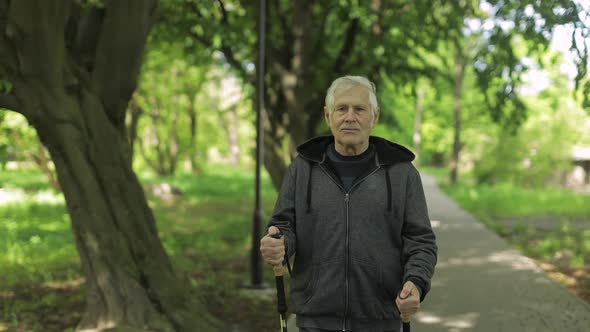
x=481, y=284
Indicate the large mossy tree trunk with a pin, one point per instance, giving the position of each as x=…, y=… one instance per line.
x=73, y=71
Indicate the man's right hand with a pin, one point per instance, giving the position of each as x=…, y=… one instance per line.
x=272, y=250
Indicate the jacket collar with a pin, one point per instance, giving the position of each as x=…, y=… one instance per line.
x=388, y=153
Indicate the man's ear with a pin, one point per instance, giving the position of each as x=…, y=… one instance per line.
x=327, y=115
x=375, y=119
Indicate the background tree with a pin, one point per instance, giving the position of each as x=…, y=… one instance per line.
x=495, y=39
x=166, y=96
x=309, y=46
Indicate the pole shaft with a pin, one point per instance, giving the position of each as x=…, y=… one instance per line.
x=257, y=217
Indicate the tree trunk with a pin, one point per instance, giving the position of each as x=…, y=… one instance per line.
x=193, y=140
x=418, y=121
x=73, y=82
x=158, y=146
x=274, y=161
x=158, y=163
x=173, y=153
x=275, y=133
x=164, y=163
x=150, y=163
x=129, y=278
x=459, y=74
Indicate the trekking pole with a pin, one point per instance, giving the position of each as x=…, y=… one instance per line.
x=406, y=326
x=281, y=302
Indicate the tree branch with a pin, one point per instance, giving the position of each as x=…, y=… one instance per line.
x=279, y=52
x=282, y=20
x=152, y=164
x=321, y=33
x=36, y=39
x=227, y=51
x=231, y=58
x=223, y=13
x=348, y=45
x=87, y=36
x=119, y=54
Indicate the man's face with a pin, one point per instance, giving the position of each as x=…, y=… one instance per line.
x=351, y=120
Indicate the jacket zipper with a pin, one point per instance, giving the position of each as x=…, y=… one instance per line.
x=347, y=294
x=347, y=253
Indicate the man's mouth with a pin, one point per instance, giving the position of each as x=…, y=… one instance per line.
x=350, y=129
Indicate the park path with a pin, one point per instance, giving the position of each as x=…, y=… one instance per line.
x=482, y=284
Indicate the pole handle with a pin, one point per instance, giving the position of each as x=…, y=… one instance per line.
x=278, y=269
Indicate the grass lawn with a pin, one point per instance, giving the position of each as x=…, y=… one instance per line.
x=206, y=231
x=549, y=225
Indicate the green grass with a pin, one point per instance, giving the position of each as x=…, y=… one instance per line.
x=206, y=232
x=506, y=200
x=36, y=243
x=26, y=179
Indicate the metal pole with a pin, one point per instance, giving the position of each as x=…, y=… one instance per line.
x=257, y=222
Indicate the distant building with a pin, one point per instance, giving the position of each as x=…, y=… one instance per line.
x=581, y=157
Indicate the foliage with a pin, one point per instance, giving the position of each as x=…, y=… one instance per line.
x=307, y=46
x=540, y=152
x=175, y=97
x=18, y=141
x=166, y=96
x=507, y=27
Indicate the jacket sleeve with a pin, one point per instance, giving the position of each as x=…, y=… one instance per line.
x=419, y=240
x=283, y=215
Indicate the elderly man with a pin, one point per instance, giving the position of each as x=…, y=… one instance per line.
x=352, y=210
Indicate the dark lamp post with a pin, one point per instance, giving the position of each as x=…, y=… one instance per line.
x=257, y=222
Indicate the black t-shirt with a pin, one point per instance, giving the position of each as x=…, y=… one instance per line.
x=349, y=168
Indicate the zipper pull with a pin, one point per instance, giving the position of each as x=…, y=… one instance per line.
x=346, y=198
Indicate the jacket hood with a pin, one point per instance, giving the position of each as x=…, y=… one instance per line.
x=387, y=152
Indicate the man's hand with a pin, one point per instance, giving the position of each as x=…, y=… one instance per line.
x=408, y=301
x=272, y=250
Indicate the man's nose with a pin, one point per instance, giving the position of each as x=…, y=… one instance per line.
x=350, y=115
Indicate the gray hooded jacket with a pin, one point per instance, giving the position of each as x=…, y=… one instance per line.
x=354, y=250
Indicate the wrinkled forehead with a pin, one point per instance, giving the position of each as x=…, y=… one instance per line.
x=351, y=95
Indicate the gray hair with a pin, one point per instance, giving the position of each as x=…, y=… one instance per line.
x=346, y=82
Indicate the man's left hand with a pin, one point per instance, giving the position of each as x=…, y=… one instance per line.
x=408, y=301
